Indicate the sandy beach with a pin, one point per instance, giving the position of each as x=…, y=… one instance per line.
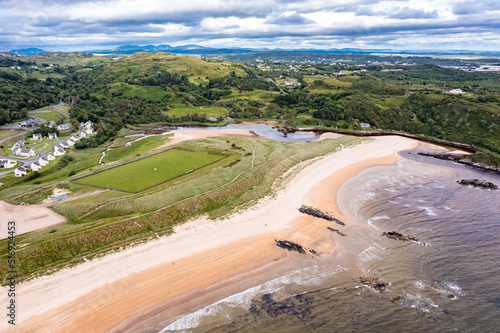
x=28, y=218
x=203, y=261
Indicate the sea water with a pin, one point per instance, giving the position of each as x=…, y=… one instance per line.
x=449, y=281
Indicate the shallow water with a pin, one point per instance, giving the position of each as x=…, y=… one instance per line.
x=449, y=282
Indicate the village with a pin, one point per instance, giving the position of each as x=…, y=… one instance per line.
x=49, y=148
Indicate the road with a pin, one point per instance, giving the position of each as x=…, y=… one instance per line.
x=277, y=85
x=27, y=162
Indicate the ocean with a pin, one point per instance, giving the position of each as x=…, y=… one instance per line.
x=447, y=281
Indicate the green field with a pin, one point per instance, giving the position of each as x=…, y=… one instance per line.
x=48, y=115
x=214, y=111
x=150, y=171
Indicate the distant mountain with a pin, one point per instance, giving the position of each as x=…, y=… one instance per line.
x=197, y=49
x=28, y=51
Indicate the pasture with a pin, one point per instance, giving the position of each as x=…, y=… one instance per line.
x=150, y=171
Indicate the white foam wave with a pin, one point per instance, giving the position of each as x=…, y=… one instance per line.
x=377, y=218
x=428, y=210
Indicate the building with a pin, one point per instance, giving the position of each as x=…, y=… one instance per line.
x=29, y=123
x=64, y=145
x=37, y=136
x=454, y=91
x=6, y=163
x=18, y=144
x=292, y=84
x=51, y=157
x=364, y=125
x=35, y=166
x=26, y=152
x=70, y=142
x=75, y=138
x=43, y=161
x=82, y=134
x=59, y=151
x=88, y=124
x=19, y=172
x=52, y=136
x=63, y=127
x=89, y=131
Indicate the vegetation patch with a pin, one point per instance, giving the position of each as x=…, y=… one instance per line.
x=150, y=171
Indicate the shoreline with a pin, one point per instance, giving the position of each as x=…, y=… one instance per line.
x=140, y=285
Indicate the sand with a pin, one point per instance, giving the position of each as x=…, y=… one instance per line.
x=203, y=261
x=193, y=134
x=27, y=218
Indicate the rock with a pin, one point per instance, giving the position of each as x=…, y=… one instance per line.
x=375, y=283
x=317, y=213
x=450, y=296
x=298, y=305
x=290, y=246
x=336, y=230
x=397, y=298
x=483, y=184
x=397, y=236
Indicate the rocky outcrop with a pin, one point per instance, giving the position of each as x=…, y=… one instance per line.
x=298, y=306
x=462, y=159
x=483, y=184
x=317, y=213
x=290, y=246
x=375, y=283
x=294, y=247
x=285, y=129
x=397, y=236
x=336, y=230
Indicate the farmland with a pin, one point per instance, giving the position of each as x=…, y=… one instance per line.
x=215, y=111
x=150, y=171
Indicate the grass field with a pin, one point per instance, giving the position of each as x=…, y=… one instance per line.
x=48, y=115
x=150, y=171
x=215, y=111
x=62, y=108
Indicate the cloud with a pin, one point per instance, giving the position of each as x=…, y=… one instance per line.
x=277, y=23
x=291, y=19
x=476, y=7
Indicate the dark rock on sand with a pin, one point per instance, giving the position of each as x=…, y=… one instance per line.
x=336, y=230
x=317, y=213
x=290, y=246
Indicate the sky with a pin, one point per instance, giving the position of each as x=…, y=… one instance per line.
x=79, y=25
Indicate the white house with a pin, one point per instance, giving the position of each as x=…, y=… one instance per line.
x=293, y=84
x=19, y=172
x=70, y=142
x=19, y=144
x=51, y=157
x=52, y=136
x=35, y=166
x=364, y=125
x=59, y=151
x=88, y=124
x=75, y=138
x=83, y=134
x=37, y=136
x=89, y=131
x=455, y=91
x=6, y=163
x=63, y=127
x=64, y=145
x=43, y=161
x=27, y=152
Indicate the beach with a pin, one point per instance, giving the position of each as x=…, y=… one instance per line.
x=203, y=261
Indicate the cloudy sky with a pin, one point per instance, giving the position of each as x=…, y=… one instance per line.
x=392, y=24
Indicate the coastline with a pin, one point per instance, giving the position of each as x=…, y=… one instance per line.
x=131, y=289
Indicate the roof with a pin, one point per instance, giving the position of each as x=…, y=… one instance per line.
x=21, y=169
